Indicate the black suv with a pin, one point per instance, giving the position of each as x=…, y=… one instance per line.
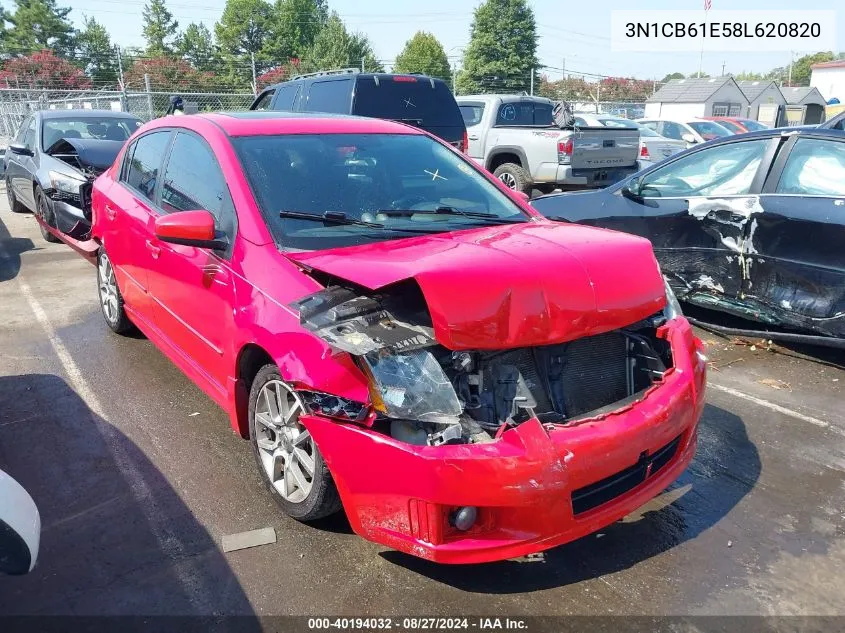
x=418, y=100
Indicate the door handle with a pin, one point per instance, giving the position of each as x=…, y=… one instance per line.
x=155, y=251
x=472, y=138
x=111, y=212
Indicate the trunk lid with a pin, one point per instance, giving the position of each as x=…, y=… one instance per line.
x=604, y=148
x=511, y=286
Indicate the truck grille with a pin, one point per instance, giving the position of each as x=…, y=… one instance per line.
x=609, y=488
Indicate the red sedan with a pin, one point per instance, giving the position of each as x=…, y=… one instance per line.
x=396, y=333
x=738, y=125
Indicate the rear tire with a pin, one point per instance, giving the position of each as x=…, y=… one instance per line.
x=514, y=177
x=14, y=204
x=45, y=212
x=111, y=301
x=289, y=462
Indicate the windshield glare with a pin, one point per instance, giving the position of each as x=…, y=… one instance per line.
x=104, y=128
x=359, y=175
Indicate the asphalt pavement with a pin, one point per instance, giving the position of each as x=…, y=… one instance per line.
x=138, y=477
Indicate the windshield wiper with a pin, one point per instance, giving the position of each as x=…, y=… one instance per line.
x=480, y=215
x=339, y=217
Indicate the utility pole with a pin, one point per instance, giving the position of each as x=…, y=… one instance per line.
x=563, y=70
x=454, y=78
x=791, y=58
x=532, y=81
x=723, y=68
x=120, y=68
x=254, y=80
x=363, y=69
x=149, y=90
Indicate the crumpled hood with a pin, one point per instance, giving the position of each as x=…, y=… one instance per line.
x=514, y=285
x=96, y=153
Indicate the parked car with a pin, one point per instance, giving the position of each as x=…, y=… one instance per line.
x=418, y=100
x=653, y=147
x=738, y=125
x=514, y=137
x=690, y=131
x=752, y=225
x=55, y=157
x=20, y=528
x=398, y=333
x=835, y=123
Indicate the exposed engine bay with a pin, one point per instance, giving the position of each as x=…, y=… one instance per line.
x=430, y=395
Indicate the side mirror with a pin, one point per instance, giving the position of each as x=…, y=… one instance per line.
x=189, y=228
x=689, y=138
x=20, y=528
x=20, y=149
x=632, y=189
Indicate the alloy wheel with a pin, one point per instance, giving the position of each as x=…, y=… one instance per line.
x=509, y=180
x=108, y=289
x=285, y=447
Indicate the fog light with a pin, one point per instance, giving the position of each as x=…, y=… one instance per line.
x=464, y=518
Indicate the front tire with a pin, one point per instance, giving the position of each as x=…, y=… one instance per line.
x=111, y=301
x=514, y=177
x=45, y=212
x=288, y=459
x=14, y=204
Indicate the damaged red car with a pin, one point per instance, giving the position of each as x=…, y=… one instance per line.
x=397, y=334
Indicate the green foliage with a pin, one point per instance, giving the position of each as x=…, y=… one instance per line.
x=334, y=47
x=96, y=55
x=37, y=25
x=502, y=52
x=801, y=67
x=42, y=70
x=671, y=76
x=159, y=28
x=423, y=53
x=293, y=28
x=242, y=33
x=196, y=45
x=747, y=75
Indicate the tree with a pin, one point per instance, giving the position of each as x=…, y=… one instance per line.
x=38, y=25
x=747, y=75
x=159, y=28
x=334, y=47
x=293, y=28
x=42, y=70
x=197, y=46
x=423, y=53
x=502, y=52
x=241, y=35
x=569, y=89
x=95, y=55
x=801, y=67
x=271, y=77
x=621, y=89
x=671, y=76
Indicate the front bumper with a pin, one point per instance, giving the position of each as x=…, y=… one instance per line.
x=401, y=495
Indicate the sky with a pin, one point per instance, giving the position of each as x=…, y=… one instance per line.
x=577, y=31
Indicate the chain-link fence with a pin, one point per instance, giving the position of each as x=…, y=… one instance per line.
x=16, y=104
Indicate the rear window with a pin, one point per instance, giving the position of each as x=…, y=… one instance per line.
x=331, y=96
x=755, y=126
x=709, y=129
x=731, y=126
x=407, y=99
x=527, y=113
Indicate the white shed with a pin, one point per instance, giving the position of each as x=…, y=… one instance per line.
x=829, y=79
x=690, y=98
x=765, y=93
x=804, y=105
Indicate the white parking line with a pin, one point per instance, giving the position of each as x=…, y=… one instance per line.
x=769, y=405
x=167, y=538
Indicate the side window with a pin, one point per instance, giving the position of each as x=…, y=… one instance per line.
x=286, y=97
x=330, y=96
x=814, y=168
x=264, y=100
x=671, y=130
x=141, y=171
x=193, y=180
x=472, y=113
x=717, y=171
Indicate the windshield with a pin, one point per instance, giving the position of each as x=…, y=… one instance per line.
x=402, y=183
x=754, y=126
x=647, y=131
x=104, y=128
x=415, y=100
x=614, y=122
x=709, y=130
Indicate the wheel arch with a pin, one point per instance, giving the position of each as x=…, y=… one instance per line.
x=251, y=358
x=507, y=155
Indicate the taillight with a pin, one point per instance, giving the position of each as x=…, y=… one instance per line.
x=644, y=152
x=564, y=150
x=404, y=78
x=464, y=146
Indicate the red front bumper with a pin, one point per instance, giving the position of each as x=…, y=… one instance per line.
x=522, y=484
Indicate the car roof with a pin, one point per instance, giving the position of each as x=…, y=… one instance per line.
x=85, y=114
x=254, y=123
x=507, y=98
x=775, y=132
x=333, y=76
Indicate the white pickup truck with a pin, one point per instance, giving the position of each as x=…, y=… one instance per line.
x=515, y=138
